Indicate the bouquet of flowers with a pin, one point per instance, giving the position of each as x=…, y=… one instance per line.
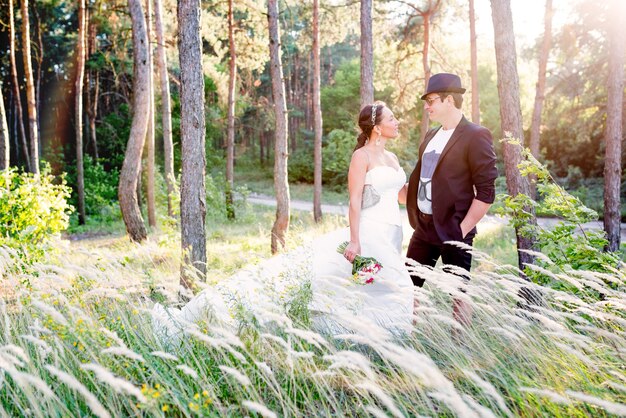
x=364, y=269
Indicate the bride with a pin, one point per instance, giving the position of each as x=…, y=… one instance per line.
x=376, y=183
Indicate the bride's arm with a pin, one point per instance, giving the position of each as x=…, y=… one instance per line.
x=402, y=194
x=356, y=180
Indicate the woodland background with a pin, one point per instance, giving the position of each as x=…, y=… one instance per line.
x=134, y=134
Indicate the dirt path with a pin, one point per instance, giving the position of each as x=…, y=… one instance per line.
x=489, y=221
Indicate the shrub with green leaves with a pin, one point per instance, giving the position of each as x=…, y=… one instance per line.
x=567, y=247
x=336, y=156
x=33, y=207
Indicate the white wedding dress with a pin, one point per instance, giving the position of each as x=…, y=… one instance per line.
x=268, y=290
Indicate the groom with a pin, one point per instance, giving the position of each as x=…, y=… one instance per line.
x=453, y=183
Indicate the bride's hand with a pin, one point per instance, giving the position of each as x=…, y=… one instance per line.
x=352, y=250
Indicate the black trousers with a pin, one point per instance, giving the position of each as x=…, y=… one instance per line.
x=426, y=247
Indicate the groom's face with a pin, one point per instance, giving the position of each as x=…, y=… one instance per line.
x=436, y=106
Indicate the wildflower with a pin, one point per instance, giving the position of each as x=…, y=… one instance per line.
x=165, y=408
x=364, y=269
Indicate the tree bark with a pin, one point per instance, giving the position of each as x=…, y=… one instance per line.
x=317, y=117
x=39, y=58
x=425, y=124
x=16, y=88
x=367, y=54
x=474, y=64
x=168, y=145
x=510, y=112
x=230, y=140
x=192, y=131
x=150, y=170
x=613, y=131
x=33, y=129
x=4, y=135
x=92, y=93
x=281, y=184
x=78, y=111
x=535, y=126
x=129, y=175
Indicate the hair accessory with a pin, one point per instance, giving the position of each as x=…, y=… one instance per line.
x=374, y=114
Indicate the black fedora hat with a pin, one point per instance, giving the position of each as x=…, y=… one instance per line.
x=444, y=82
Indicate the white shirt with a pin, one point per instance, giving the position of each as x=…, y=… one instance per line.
x=429, y=163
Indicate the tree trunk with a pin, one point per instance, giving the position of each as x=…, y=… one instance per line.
x=4, y=135
x=426, y=67
x=39, y=59
x=262, y=148
x=16, y=88
x=92, y=77
x=281, y=184
x=510, y=112
x=474, y=64
x=535, y=126
x=129, y=175
x=317, y=117
x=33, y=129
x=78, y=111
x=192, y=132
x=613, y=130
x=367, y=54
x=230, y=140
x=150, y=170
x=168, y=145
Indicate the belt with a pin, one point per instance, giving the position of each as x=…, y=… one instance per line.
x=425, y=216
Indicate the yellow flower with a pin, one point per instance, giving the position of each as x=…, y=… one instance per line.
x=196, y=396
x=165, y=408
x=205, y=393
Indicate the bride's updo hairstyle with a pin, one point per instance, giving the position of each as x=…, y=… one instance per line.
x=370, y=116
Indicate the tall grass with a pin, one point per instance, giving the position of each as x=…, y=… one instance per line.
x=79, y=340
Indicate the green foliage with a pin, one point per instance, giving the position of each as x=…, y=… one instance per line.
x=100, y=187
x=336, y=156
x=566, y=246
x=301, y=165
x=113, y=133
x=216, y=208
x=341, y=100
x=32, y=207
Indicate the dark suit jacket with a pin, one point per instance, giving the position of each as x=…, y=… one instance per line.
x=466, y=170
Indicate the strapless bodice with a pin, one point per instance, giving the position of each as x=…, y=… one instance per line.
x=387, y=181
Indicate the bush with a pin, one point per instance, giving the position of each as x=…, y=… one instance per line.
x=301, y=165
x=32, y=207
x=216, y=200
x=566, y=246
x=336, y=156
x=100, y=186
